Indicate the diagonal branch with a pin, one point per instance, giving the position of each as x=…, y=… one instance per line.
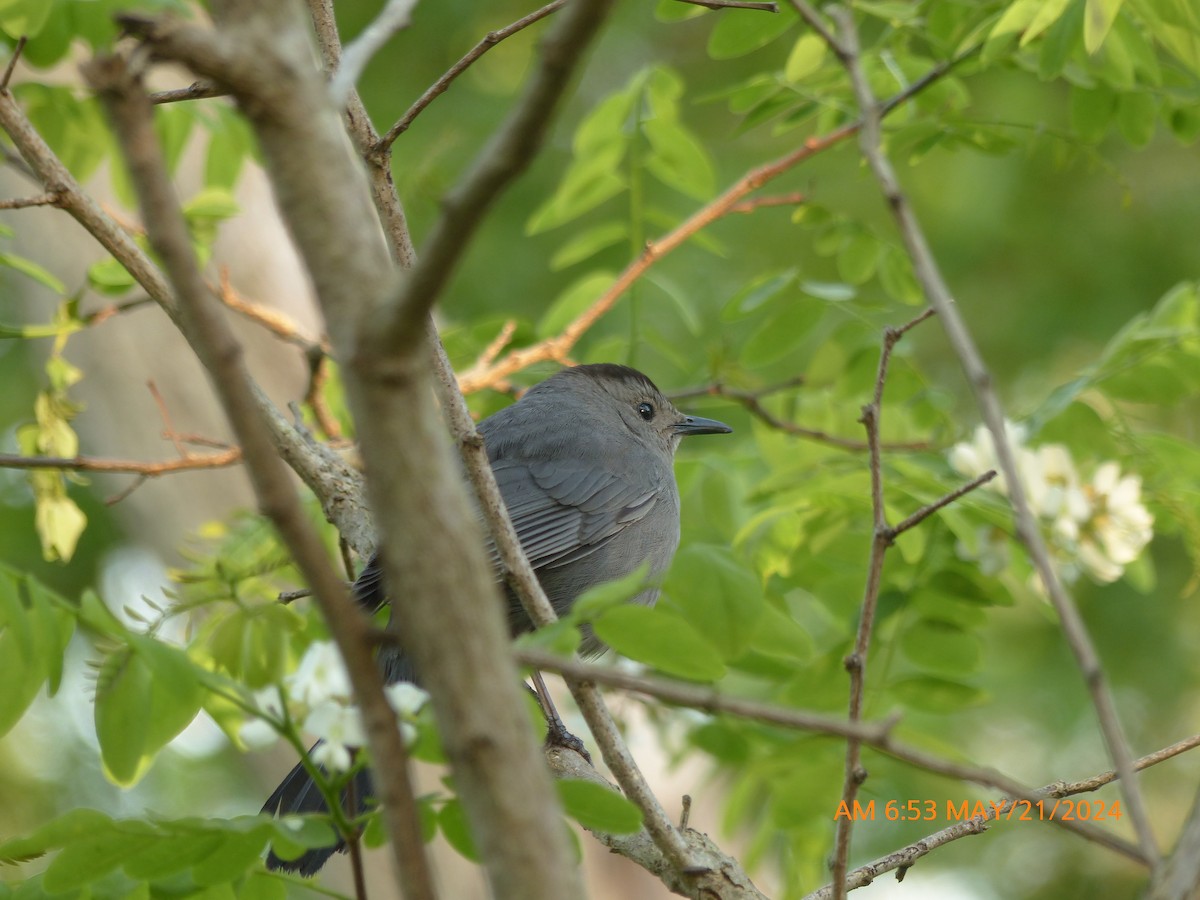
x=938, y=294
x=132, y=116
x=439, y=87
x=505, y=156
x=557, y=348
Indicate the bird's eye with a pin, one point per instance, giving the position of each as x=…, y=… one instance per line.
x=646, y=411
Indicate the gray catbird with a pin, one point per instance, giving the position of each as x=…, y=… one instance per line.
x=584, y=463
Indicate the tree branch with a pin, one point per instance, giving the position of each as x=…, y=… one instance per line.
x=505, y=156
x=453, y=632
x=439, y=87
x=980, y=380
x=132, y=116
x=557, y=348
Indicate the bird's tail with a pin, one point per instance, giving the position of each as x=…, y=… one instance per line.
x=297, y=793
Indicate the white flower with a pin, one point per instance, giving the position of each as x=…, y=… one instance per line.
x=1122, y=525
x=334, y=757
x=320, y=675
x=340, y=729
x=337, y=723
x=406, y=698
x=1098, y=527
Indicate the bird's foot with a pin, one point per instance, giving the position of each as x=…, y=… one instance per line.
x=558, y=736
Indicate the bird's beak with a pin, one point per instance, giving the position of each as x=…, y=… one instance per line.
x=700, y=425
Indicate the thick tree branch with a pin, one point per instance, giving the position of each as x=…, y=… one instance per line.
x=133, y=122
x=452, y=632
x=933, y=284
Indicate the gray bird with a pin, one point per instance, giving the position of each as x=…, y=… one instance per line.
x=584, y=463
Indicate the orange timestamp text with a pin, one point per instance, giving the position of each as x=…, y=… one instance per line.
x=1061, y=808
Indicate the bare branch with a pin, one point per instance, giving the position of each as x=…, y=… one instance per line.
x=230, y=457
x=197, y=90
x=752, y=402
x=753, y=205
x=938, y=294
x=12, y=62
x=435, y=90
x=856, y=662
x=505, y=156
x=47, y=199
x=278, y=323
x=876, y=735
x=395, y=16
x=735, y=4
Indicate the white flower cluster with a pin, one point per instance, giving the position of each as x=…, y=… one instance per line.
x=1097, y=526
x=319, y=694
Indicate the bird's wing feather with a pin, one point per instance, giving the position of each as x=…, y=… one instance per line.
x=563, y=511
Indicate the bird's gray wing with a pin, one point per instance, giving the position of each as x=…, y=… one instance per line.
x=564, y=510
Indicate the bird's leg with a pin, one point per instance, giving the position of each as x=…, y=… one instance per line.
x=556, y=732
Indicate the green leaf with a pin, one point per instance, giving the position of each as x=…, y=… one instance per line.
x=173, y=122
x=941, y=646
x=588, y=243
x=211, y=203
x=858, y=258
x=583, y=188
x=1092, y=111
x=1097, y=21
x=806, y=57
x=24, y=17
x=453, y=822
x=110, y=277
x=146, y=693
x=597, y=807
x=33, y=270
x=573, y=301
x=745, y=31
x=602, y=597
x=678, y=160
x=1136, y=117
x=718, y=595
x=760, y=290
x=1048, y=12
x=660, y=639
x=936, y=695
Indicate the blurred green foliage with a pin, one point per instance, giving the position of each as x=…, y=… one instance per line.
x=1054, y=170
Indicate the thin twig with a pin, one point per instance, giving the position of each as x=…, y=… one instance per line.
x=169, y=431
x=12, y=62
x=395, y=16
x=557, y=348
x=735, y=4
x=926, y=511
x=197, y=90
x=508, y=153
x=278, y=323
x=757, y=203
x=752, y=402
x=489, y=40
x=123, y=466
x=856, y=662
x=47, y=199
x=933, y=284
